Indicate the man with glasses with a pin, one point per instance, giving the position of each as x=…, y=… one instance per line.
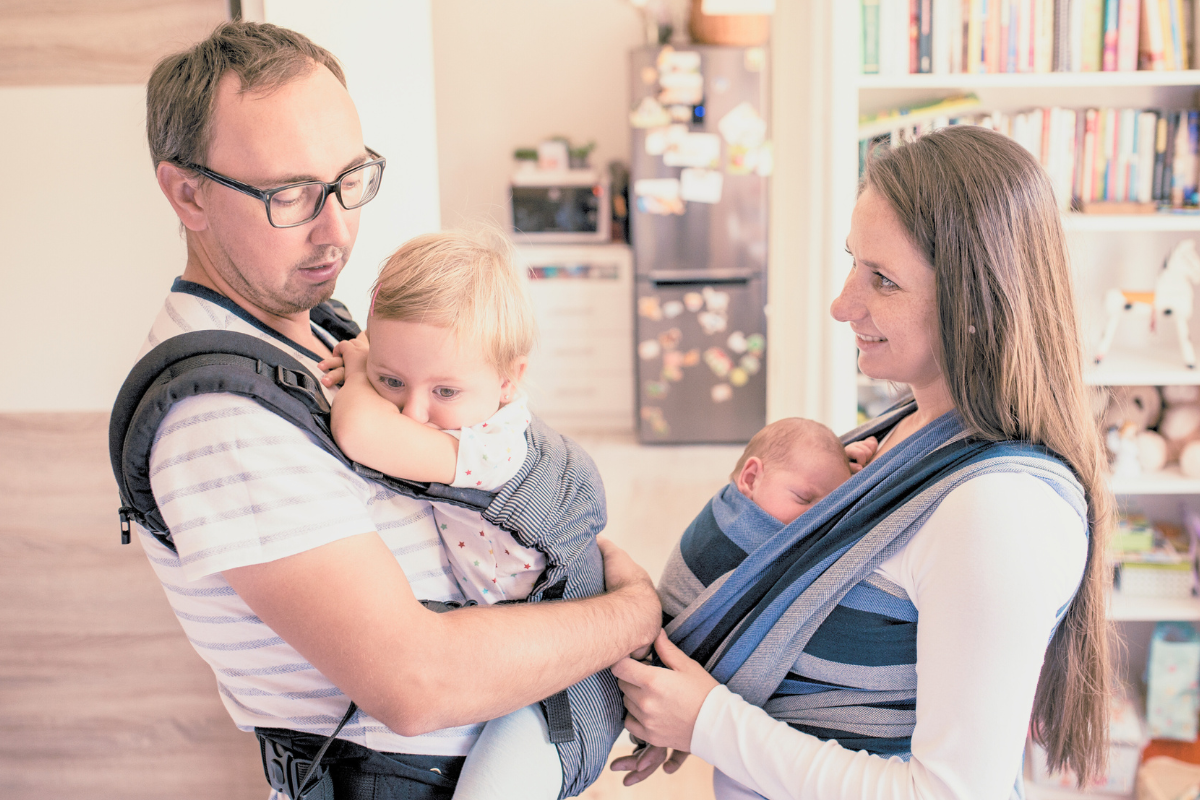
x=295, y=579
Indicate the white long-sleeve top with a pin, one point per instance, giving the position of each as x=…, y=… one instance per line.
x=988, y=573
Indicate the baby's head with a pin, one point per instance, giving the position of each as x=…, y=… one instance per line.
x=450, y=328
x=790, y=465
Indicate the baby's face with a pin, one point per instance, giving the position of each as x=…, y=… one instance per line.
x=431, y=377
x=786, y=489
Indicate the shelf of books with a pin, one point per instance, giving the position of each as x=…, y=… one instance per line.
x=1165, y=221
x=1031, y=80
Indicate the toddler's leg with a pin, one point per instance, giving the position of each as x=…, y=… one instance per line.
x=513, y=759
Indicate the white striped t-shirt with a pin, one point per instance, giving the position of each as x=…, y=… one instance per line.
x=238, y=485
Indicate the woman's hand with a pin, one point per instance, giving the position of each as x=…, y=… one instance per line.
x=643, y=762
x=860, y=453
x=663, y=704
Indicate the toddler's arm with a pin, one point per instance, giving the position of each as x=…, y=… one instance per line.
x=372, y=431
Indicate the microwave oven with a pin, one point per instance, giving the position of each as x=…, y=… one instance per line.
x=560, y=207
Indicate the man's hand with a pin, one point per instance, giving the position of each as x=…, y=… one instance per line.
x=623, y=575
x=860, y=453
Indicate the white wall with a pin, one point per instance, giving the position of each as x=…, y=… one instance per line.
x=91, y=246
x=386, y=50
x=509, y=74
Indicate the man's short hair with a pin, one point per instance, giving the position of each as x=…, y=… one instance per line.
x=789, y=438
x=466, y=281
x=183, y=86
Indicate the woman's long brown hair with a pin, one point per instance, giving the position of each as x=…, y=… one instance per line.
x=982, y=211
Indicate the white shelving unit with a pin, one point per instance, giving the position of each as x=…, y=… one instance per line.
x=1107, y=250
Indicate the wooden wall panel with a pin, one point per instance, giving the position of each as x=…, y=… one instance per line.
x=71, y=42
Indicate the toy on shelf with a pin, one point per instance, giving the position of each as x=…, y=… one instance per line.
x=1127, y=417
x=1172, y=297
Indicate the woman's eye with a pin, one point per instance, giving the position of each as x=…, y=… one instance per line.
x=391, y=383
x=445, y=392
x=884, y=281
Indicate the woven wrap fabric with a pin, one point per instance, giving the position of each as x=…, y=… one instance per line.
x=793, y=618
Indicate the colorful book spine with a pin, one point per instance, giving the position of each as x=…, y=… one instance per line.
x=1091, y=56
x=1176, y=23
x=991, y=36
x=1087, y=170
x=1111, y=10
x=1076, y=37
x=1168, y=187
x=1013, y=36
x=870, y=37
x=914, y=36
x=1146, y=145
x=1128, y=19
x=1189, y=186
x=925, y=38
x=1160, y=157
x=1164, y=16
x=1045, y=37
x=1062, y=35
x=941, y=35
x=957, y=62
x=975, y=37
x=1181, y=163
x=1150, y=42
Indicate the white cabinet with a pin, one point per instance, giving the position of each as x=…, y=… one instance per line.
x=581, y=370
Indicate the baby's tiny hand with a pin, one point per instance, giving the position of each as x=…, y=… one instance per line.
x=353, y=353
x=860, y=453
x=335, y=370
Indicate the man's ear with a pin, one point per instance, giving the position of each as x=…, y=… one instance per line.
x=750, y=476
x=181, y=190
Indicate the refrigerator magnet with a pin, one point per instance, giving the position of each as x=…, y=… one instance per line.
x=751, y=364
x=649, y=308
x=701, y=185
x=694, y=150
x=693, y=301
x=672, y=359
x=722, y=393
x=656, y=390
x=672, y=309
x=714, y=300
x=738, y=376
x=649, y=114
x=755, y=344
x=649, y=349
x=712, y=323
x=691, y=358
x=672, y=374
x=669, y=339
x=658, y=196
x=718, y=361
x=743, y=126
x=736, y=342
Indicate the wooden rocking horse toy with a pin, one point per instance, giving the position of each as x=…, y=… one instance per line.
x=1172, y=297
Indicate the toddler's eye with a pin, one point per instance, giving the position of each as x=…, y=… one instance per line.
x=391, y=383
x=445, y=392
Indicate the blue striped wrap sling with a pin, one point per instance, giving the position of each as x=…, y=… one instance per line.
x=794, y=619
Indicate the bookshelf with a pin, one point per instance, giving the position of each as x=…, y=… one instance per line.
x=1107, y=251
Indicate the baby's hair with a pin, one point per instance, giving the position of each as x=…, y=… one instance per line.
x=780, y=441
x=464, y=281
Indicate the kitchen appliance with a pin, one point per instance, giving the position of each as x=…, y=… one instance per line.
x=568, y=206
x=698, y=206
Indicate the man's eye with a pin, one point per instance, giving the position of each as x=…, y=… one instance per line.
x=445, y=392
x=391, y=383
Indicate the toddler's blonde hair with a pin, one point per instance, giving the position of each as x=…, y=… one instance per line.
x=780, y=441
x=464, y=281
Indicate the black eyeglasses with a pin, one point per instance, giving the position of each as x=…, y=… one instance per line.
x=300, y=203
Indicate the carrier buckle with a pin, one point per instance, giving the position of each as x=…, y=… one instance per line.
x=296, y=382
x=285, y=772
x=125, y=514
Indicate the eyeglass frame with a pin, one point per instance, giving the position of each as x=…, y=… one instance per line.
x=265, y=195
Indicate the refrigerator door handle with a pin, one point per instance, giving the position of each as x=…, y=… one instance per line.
x=697, y=276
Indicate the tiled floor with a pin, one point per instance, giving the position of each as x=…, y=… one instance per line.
x=100, y=694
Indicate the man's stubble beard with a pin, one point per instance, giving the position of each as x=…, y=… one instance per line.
x=290, y=299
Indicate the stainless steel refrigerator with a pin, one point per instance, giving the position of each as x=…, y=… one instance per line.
x=701, y=157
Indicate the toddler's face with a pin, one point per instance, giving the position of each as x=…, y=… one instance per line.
x=431, y=377
x=785, y=490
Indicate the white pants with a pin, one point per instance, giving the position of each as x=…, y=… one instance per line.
x=512, y=759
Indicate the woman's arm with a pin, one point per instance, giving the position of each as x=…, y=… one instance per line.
x=987, y=575
x=372, y=431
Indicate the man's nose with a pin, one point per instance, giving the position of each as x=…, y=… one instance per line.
x=416, y=408
x=333, y=224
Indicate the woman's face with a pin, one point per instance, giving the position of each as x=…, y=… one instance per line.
x=889, y=300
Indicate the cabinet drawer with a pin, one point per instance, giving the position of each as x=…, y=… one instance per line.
x=582, y=390
x=613, y=353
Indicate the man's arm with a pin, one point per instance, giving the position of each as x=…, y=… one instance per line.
x=348, y=609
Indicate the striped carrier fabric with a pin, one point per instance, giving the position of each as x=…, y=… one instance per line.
x=796, y=620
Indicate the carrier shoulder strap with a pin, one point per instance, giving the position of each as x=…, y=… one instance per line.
x=192, y=364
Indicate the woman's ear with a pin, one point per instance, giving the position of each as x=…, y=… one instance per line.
x=750, y=476
x=181, y=191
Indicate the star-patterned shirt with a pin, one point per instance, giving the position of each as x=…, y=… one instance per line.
x=489, y=564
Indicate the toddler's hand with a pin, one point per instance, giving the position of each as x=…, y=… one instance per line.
x=335, y=370
x=354, y=353
x=860, y=453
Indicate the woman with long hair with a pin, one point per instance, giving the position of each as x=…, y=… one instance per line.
x=964, y=607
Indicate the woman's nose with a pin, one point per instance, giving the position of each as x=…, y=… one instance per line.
x=846, y=306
